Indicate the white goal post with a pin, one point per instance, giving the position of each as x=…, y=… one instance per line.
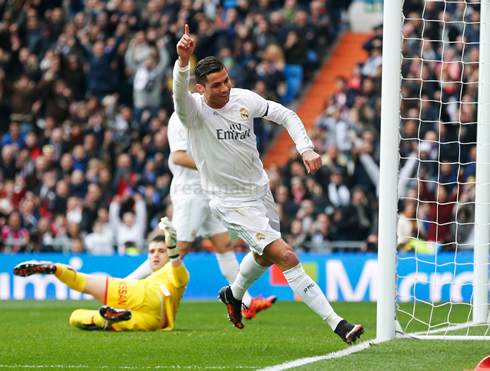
x=410, y=305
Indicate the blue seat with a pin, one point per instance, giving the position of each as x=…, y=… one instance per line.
x=294, y=80
x=229, y=4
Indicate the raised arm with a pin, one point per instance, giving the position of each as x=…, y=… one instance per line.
x=141, y=213
x=185, y=48
x=114, y=219
x=129, y=59
x=84, y=49
x=185, y=105
x=163, y=57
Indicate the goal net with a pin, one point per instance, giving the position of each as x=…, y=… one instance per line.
x=439, y=93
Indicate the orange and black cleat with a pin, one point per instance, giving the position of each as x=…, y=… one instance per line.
x=233, y=305
x=349, y=333
x=257, y=305
x=29, y=268
x=115, y=315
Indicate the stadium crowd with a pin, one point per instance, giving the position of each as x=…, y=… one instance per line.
x=85, y=98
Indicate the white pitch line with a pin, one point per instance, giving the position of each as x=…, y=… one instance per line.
x=132, y=367
x=305, y=361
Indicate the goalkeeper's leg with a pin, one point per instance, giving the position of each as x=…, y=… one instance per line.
x=86, y=283
x=110, y=319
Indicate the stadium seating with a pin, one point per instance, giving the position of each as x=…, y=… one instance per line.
x=294, y=79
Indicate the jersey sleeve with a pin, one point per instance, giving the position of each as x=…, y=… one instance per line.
x=290, y=120
x=177, y=136
x=185, y=104
x=178, y=276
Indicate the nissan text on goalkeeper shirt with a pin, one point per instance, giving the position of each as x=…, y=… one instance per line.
x=222, y=141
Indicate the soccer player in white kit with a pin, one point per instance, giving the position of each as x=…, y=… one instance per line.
x=219, y=126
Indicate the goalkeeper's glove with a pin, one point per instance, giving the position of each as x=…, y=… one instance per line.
x=170, y=237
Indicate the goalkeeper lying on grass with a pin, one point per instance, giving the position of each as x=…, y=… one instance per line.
x=147, y=304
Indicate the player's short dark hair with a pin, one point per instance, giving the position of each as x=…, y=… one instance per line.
x=207, y=66
x=159, y=238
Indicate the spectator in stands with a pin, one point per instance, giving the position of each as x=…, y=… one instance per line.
x=306, y=214
x=75, y=77
x=101, y=78
x=338, y=193
x=14, y=136
x=30, y=215
x=58, y=205
x=15, y=237
x=440, y=212
x=296, y=238
x=78, y=184
x=99, y=242
x=31, y=144
x=334, y=159
x=298, y=190
x=282, y=197
x=74, y=210
x=124, y=177
x=408, y=225
x=44, y=236
x=77, y=246
x=79, y=158
x=147, y=80
x=8, y=167
x=132, y=227
x=57, y=101
x=319, y=234
x=295, y=51
x=357, y=218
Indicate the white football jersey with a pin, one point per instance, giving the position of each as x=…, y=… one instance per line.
x=186, y=182
x=222, y=141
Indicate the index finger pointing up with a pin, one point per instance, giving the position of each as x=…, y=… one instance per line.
x=187, y=29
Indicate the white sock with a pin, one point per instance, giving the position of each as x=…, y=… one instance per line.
x=310, y=293
x=249, y=272
x=229, y=267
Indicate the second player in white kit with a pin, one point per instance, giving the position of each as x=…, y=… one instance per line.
x=192, y=216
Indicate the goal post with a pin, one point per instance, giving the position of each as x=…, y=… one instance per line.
x=448, y=246
x=482, y=196
x=390, y=118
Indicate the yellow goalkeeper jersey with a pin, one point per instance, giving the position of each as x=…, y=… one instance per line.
x=154, y=301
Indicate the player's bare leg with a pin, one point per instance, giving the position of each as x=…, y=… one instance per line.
x=184, y=247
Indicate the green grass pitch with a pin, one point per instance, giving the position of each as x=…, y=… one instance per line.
x=36, y=334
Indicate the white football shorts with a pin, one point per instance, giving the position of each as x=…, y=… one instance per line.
x=255, y=222
x=193, y=217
